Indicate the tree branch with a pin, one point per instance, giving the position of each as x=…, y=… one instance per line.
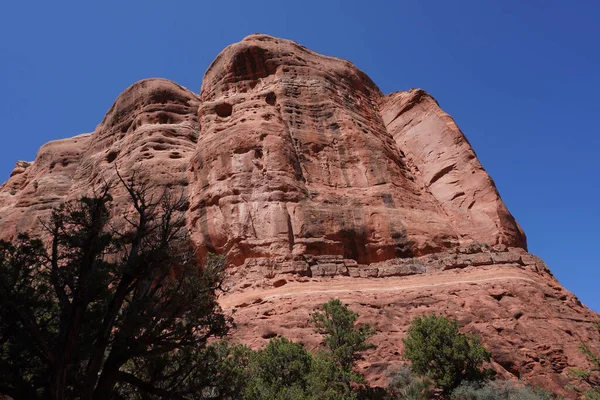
x=146, y=387
x=29, y=324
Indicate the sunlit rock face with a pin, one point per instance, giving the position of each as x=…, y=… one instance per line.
x=149, y=133
x=287, y=153
x=302, y=154
x=314, y=184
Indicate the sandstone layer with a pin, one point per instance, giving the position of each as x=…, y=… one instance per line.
x=150, y=132
x=315, y=184
x=532, y=326
x=302, y=154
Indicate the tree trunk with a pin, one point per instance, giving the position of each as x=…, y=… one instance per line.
x=108, y=380
x=64, y=359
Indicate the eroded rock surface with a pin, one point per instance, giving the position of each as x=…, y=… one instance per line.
x=531, y=325
x=317, y=185
x=150, y=132
x=448, y=168
x=302, y=154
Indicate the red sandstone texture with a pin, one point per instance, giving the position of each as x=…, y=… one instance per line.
x=302, y=154
x=150, y=131
x=316, y=185
x=532, y=326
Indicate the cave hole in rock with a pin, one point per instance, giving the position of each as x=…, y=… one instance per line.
x=111, y=156
x=163, y=118
x=224, y=110
x=126, y=126
x=270, y=99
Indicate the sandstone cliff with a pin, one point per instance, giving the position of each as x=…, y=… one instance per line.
x=315, y=185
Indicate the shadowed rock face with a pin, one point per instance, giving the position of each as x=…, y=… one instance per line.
x=316, y=185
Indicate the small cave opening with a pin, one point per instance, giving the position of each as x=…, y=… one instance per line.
x=111, y=156
x=163, y=118
x=270, y=99
x=224, y=110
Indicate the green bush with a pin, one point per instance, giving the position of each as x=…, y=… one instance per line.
x=279, y=371
x=403, y=385
x=590, y=376
x=437, y=350
x=342, y=338
x=286, y=370
x=328, y=381
x=498, y=390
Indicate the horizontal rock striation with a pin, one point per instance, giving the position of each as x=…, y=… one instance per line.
x=315, y=184
x=476, y=254
x=532, y=326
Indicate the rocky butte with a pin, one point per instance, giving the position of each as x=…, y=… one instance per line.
x=316, y=185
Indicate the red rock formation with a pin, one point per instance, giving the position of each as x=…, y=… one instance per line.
x=150, y=131
x=317, y=185
x=532, y=326
x=33, y=189
x=448, y=168
x=295, y=157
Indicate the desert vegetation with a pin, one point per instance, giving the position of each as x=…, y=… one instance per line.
x=102, y=310
x=590, y=377
x=92, y=308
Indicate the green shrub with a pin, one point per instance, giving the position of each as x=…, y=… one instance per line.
x=328, y=381
x=589, y=376
x=286, y=370
x=279, y=371
x=342, y=338
x=498, y=390
x=437, y=350
x=403, y=385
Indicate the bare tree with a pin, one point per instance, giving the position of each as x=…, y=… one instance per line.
x=98, y=308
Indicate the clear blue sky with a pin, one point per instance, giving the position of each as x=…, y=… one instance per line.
x=521, y=78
